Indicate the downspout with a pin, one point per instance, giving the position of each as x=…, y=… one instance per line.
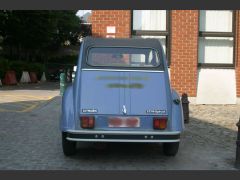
x=236, y=37
x=236, y=52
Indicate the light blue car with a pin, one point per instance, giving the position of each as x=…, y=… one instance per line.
x=121, y=93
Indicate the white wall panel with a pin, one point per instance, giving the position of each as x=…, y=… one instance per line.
x=216, y=86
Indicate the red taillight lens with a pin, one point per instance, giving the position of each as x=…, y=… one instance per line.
x=87, y=122
x=160, y=123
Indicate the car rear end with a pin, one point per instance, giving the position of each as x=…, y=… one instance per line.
x=123, y=95
x=116, y=108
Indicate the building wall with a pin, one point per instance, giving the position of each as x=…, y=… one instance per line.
x=185, y=74
x=184, y=47
x=216, y=86
x=237, y=52
x=121, y=19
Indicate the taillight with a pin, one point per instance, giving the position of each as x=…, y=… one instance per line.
x=87, y=122
x=159, y=123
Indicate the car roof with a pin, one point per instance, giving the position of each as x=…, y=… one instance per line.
x=123, y=42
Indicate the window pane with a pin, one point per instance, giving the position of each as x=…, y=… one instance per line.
x=162, y=39
x=154, y=20
x=123, y=57
x=216, y=21
x=215, y=50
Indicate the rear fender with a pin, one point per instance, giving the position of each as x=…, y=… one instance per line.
x=67, y=115
x=177, y=113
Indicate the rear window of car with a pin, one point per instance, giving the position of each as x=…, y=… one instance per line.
x=122, y=57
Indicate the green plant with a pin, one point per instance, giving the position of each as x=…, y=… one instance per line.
x=38, y=68
x=18, y=67
x=4, y=66
x=70, y=59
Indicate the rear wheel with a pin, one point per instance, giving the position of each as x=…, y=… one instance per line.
x=69, y=147
x=170, y=149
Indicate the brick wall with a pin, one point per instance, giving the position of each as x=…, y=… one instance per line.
x=237, y=52
x=184, y=48
x=121, y=19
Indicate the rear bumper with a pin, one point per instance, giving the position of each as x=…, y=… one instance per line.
x=123, y=136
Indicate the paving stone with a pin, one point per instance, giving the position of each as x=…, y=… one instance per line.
x=32, y=141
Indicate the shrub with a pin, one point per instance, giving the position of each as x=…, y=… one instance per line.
x=20, y=66
x=38, y=68
x=63, y=62
x=70, y=59
x=4, y=66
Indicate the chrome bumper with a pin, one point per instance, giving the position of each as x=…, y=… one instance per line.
x=122, y=136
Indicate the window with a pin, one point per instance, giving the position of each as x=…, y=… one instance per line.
x=123, y=57
x=149, y=20
x=216, y=38
x=152, y=24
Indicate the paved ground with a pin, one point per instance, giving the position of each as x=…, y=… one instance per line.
x=26, y=97
x=31, y=139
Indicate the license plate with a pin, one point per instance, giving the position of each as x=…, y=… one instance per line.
x=123, y=122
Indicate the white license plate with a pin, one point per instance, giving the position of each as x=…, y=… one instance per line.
x=124, y=122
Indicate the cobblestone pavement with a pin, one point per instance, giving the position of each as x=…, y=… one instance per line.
x=32, y=141
x=215, y=123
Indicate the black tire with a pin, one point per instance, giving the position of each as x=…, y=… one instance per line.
x=170, y=149
x=69, y=147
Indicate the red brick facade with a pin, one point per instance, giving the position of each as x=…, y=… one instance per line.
x=121, y=19
x=237, y=52
x=183, y=45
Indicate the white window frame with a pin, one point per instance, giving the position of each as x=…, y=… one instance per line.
x=204, y=34
x=152, y=33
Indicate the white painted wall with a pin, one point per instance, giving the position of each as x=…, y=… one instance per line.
x=216, y=86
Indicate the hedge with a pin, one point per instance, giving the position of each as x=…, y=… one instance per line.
x=70, y=59
x=4, y=66
x=19, y=67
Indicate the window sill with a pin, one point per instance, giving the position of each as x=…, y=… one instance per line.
x=217, y=66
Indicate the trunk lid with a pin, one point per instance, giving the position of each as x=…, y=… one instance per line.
x=123, y=93
x=148, y=93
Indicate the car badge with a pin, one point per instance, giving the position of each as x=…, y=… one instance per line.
x=124, y=110
x=156, y=111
